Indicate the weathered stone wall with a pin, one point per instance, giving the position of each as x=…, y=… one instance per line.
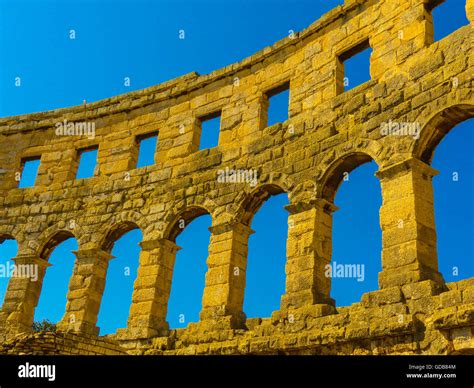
x=398, y=320
x=328, y=133
x=49, y=344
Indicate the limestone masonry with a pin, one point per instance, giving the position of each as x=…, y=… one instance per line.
x=328, y=133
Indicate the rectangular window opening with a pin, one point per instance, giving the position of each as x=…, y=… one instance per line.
x=29, y=172
x=444, y=17
x=87, y=163
x=353, y=67
x=210, y=126
x=278, y=100
x=146, y=149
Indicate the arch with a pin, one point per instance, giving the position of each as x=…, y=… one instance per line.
x=453, y=159
x=189, y=266
x=253, y=197
x=54, y=241
x=333, y=175
x=356, y=236
x=252, y=201
x=54, y=280
x=266, y=259
x=437, y=127
x=247, y=205
x=256, y=199
x=178, y=220
x=329, y=178
x=54, y=235
x=119, y=225
x=6, y=236
x=12, y=232
x=120, y=275
x=116, y=232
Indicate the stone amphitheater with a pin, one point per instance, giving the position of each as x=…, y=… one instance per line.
x=329, y=132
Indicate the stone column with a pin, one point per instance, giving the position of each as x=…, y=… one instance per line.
x=225, y=278
x=408, y=225
x=23, y=293
x=85, y=291
x=152, y=289
x=309, y=249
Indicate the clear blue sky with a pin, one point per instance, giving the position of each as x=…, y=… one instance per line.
x=140, y=40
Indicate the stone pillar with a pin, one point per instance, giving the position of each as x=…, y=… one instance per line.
x=85, y=291
x=339, y=77
x=309, y=249
x=152, y=289
x=408, y=225
x=225, y=278
x=263, y=105
x=23, y=293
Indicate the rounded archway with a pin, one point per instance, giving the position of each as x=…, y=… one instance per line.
x=446, y=143
x=182, y=219
x=58, y=251
x=264, y=211
x=437, y=127
x=122, y=241
x=189, y=229
x=255, y=199
x=351, y=185
x=453, y=190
